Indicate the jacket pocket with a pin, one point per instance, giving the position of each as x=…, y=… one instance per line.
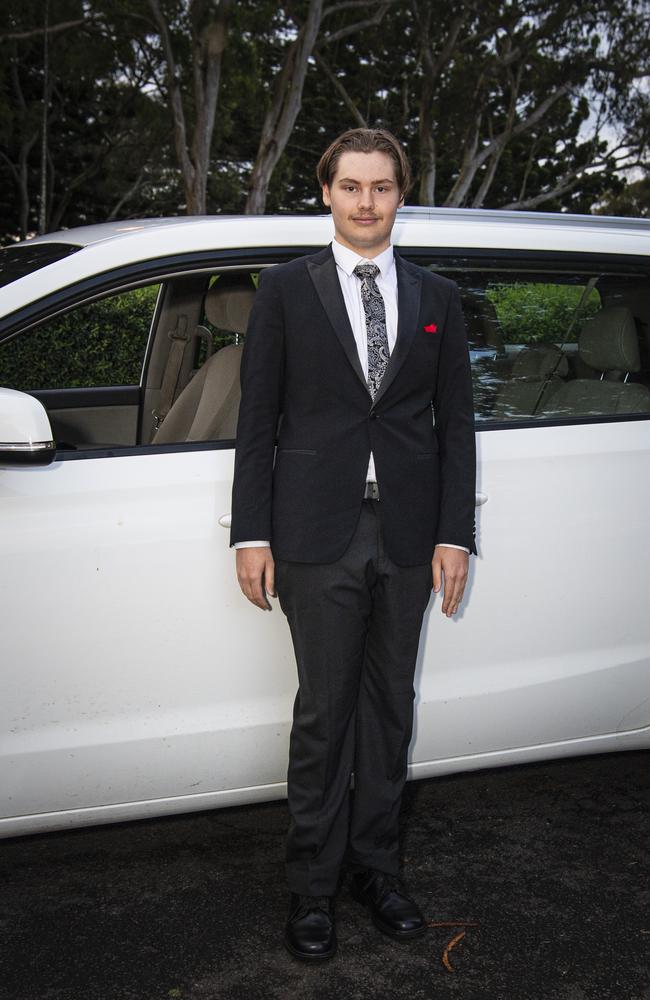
x=296, y=451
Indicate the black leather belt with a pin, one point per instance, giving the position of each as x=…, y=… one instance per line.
x=371, y=492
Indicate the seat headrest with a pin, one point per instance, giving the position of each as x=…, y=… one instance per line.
x=229, y=302
x=608, y=341
x=539, y=362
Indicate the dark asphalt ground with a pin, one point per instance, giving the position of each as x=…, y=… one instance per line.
x=544, y=868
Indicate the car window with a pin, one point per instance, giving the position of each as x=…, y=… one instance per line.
x=211, y=320
x=19, y=261
x=549, y=346
x=101, y=343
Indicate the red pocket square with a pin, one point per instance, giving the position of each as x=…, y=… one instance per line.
x=431, y=328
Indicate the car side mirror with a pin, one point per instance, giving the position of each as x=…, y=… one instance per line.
x=25, y=432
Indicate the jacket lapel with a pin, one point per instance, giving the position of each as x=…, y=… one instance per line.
x=322, y=268
x=409, y=291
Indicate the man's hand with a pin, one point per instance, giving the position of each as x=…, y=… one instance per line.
x=256, y=575
x=452, y=564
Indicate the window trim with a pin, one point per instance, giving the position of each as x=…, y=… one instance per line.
x=84, y=396
x=601, y=418
x=128, y=451
x=148, y=272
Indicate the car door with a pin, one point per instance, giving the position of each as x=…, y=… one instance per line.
x=551, y=652
x=136, y=676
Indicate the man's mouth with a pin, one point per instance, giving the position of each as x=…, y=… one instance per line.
x=365, y=218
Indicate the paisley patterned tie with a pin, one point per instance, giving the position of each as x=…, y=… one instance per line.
x=375, y=310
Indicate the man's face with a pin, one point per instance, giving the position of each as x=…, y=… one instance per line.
x=364, y=197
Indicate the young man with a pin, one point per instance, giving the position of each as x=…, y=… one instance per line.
x=363, y=506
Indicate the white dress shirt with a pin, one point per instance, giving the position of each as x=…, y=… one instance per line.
x=346, y=261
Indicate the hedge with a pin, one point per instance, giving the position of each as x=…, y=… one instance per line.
x=100, y=344
x=529, y=312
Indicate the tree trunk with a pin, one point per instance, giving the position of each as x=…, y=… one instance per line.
x=285, y=106
x=426, y=133
x=474, y=158
x=431, y=75
x=471, y=162
x=42, y=208
x=23, y=183
x=208, y=45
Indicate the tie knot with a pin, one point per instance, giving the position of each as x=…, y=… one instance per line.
x=364, y=271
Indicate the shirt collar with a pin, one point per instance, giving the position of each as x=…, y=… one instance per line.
x=348, y=259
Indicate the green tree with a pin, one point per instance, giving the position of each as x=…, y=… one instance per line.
x=161, y=106
x=103, y=129
x=509, y=105
x=627, y=199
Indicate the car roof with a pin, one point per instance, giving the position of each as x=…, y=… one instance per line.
x=107, y=247
x=83, y=236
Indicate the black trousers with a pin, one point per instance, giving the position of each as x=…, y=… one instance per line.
x=356, y=627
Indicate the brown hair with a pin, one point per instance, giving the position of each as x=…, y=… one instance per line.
x=365, y=140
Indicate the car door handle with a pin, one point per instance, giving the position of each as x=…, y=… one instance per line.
x=225, y=520
x=480, y=499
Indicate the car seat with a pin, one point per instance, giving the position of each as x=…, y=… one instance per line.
x=208, y=407
x=608, y=344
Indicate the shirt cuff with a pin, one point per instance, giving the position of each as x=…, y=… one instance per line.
x=252, y=545
x=448, y=545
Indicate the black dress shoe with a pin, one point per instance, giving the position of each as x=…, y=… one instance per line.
x=310, y=933
x=392, y=911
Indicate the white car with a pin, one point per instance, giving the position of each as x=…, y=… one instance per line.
x=136, y=679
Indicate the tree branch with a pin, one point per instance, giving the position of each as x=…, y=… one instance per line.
x=474, y=158
x=336, y=83
x=352, y=29
x=560, y=189
x=52, y=29
x=129, y=194
x=175, y=99
x=348, y=4
x=433, y=68
x=10, y=165
x=282, y=114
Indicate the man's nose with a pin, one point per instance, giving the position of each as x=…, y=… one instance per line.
x=365, y=198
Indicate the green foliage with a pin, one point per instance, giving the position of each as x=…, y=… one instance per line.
x=110, y=137
x=101, y=344
x=530, y=313
x=631, y=199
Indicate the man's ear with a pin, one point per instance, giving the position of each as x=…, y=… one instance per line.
x=400, y=203
x=327, y=201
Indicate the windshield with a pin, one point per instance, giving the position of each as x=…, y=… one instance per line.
x=17, y=261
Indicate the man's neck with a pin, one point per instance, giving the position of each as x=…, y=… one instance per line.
x=369, y=253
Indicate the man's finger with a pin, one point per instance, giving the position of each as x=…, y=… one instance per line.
x=252, y=565
x=437, y=574
x=454, y=588
x=269, y=577
x=455, y=596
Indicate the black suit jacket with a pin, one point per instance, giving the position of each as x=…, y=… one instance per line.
x=300, y=366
